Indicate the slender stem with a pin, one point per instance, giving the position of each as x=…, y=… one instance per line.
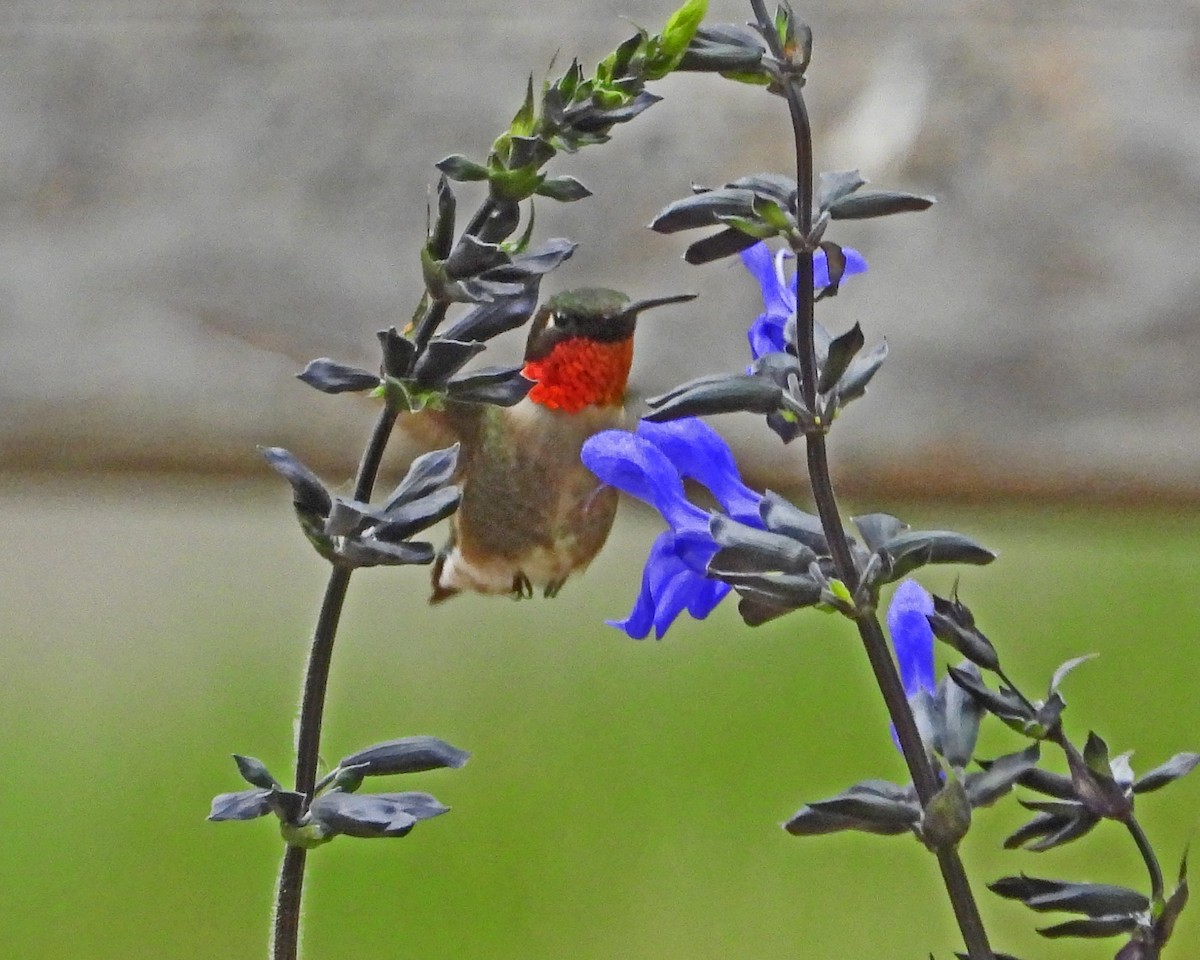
x=285, y=941
x=1148, y=857
x=924, y=778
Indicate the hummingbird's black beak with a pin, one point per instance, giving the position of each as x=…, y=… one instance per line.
x=635, y=308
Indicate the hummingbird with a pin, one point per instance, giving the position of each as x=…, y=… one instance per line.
x=531, y=513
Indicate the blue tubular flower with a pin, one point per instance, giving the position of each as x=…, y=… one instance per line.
x=912, y=637
x=651, y=465
x=779, y=293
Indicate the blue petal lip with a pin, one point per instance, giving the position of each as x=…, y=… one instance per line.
x=650, y=465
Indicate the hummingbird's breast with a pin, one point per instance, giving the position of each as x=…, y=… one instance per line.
x=529, y=506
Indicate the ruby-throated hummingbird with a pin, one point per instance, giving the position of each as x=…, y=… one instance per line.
x=531, y=513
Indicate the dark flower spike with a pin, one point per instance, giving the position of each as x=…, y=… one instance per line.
x=329, y=376
x=912, y=549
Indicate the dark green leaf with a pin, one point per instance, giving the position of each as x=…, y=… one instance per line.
x=404, y=755
x=499, y=386
x=255, y=772
x=841, y=351
x=329, y=376
x=746, y=549
x=861, y=206
x=727, y=243
x=488, y=320
x=242, y=805
x=878, y=528
x=1091, y=899
x=563, y=189
x=723, y=393
x=458, y=167
x=442, y=359
x=854, y=381
x=308, y=493
x=398, y=353
x=782, y=516
x=835, y=186
x=1092, y=927
x=1178, y=766
x=998, y=779
x=427, y=473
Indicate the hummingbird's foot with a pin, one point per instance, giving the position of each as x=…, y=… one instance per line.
x=440, y=592
x=553, y=587
x=522, y=589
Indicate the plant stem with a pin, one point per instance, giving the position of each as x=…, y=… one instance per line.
x=1148, y=857
x=924, y=778
x=285, y=940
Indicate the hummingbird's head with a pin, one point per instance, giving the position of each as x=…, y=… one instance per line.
x=580, y=347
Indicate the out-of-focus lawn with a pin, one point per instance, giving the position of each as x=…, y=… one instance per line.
x=623, y=799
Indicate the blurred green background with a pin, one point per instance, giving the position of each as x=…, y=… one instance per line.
x=624, y=798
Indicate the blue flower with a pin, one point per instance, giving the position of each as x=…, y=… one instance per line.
x=912, y=637
x=779, y=293
x=651, y=465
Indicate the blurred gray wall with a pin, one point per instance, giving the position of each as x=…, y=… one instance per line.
x=198, y=196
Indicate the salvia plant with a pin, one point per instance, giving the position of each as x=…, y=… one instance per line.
x=482, y=280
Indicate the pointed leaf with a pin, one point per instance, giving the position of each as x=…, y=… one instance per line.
x=308, y=493
x=242, y=805
x=1092, y=927
x=329, y=376
x=723, y=393
x=427, y=473
x=255, y=772
x=1178, y=766
x=877, y=203
x=837, y=185
x=404, y=755
x=998, y=779
x=841, y=351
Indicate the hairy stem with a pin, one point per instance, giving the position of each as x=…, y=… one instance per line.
x=925, y=780
x=285, y=940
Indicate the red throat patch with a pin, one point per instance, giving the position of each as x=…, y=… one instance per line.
x=580, y=372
